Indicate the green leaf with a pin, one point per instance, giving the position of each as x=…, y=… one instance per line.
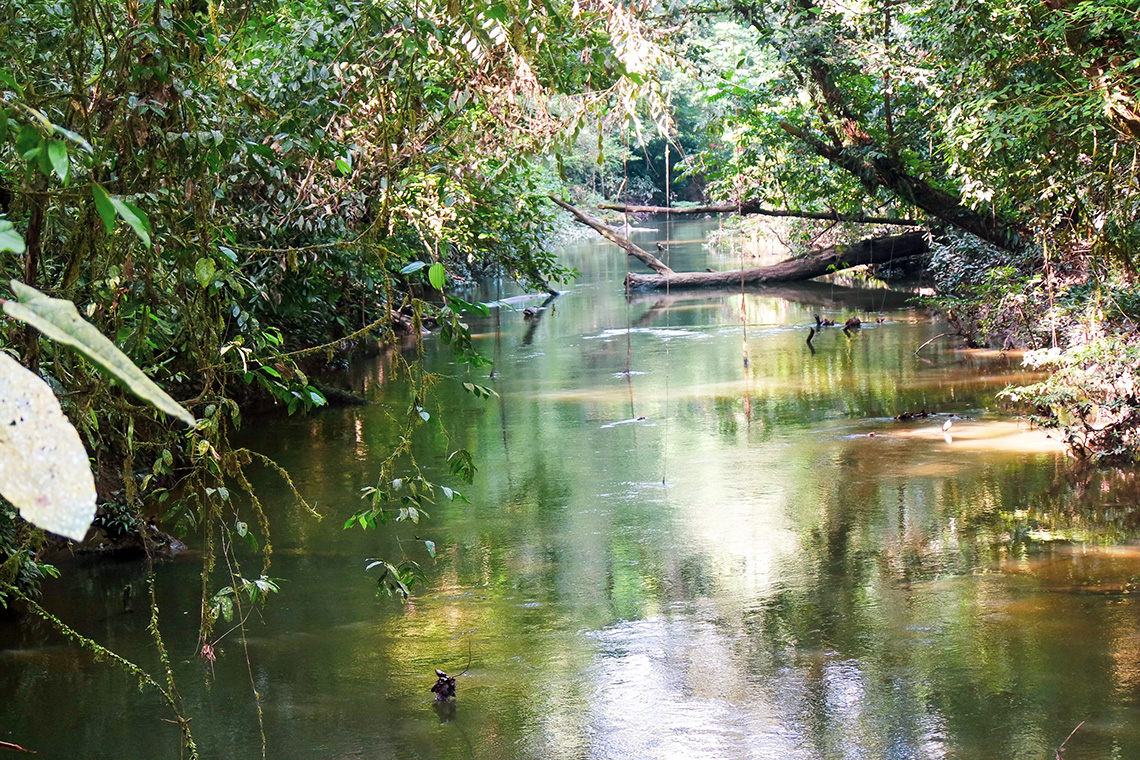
x=44, y=469
x=343, y=167
x=498, y=11
x=133, y=216
x=43, y=161
x=103, y=206
x=204, y=270
x=109, y=206
x=59, y=320
x=481, y=391
x=430, y=546
x=415, y=266
x=27, y=141
x=437, y=276
x=10, y=240
x=6, y=78
x=57, y=154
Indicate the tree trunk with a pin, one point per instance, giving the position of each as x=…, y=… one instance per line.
x=874, y=168
x=881, y=250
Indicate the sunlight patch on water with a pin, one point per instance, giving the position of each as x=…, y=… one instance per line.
x=680, y=687
x=998, y=435
x=668, y=689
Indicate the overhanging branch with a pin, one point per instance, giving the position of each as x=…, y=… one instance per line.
x=755, y=208
x=645, y=257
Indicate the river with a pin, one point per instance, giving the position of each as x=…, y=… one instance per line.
x=667, y=552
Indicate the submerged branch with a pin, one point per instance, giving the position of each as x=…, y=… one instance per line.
x=16, y=747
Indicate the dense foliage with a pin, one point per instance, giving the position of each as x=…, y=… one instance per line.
x=1010, y=125
x=233, y=192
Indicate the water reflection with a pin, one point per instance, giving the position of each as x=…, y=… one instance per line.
x=668, y=553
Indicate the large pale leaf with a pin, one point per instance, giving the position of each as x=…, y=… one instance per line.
x=59, y=320
x=44, y=470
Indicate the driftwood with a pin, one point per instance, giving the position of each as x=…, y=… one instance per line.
x=881, y=250
x=755, y=207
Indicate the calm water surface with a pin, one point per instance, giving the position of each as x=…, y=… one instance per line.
x=668, y=553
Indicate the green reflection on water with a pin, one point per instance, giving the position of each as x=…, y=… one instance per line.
x=744, y=573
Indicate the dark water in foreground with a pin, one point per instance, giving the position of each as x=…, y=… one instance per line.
x=693, y=559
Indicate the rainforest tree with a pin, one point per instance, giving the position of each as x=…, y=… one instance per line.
x=1008, y=125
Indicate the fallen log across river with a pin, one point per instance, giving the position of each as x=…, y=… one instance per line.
x=875, y=251
x=881, y=250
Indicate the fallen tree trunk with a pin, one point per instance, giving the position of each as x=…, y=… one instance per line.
x=883, y=250
x=746, y=208
x=642, y=255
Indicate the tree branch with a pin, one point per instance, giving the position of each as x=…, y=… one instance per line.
x=645, y=257
x=755, y=208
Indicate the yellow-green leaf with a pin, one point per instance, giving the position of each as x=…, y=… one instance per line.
x=437, y=276
x=44, y=469
x=59, y=320
x=204, y=270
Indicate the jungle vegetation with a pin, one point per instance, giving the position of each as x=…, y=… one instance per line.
x=238, y=193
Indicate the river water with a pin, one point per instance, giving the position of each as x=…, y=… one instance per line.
x=666, y=553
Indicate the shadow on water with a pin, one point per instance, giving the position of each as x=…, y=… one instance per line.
x=817, y=294
x=666, y=553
